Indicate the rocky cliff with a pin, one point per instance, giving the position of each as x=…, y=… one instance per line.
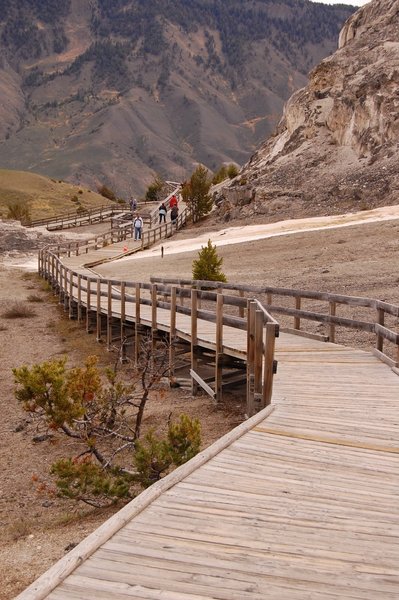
x=336, y=146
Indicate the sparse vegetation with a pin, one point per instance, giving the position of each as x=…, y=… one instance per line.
x=19, y=529
x=155, y=190
x=107, y=193
x=35, y=298
x=19, y=212
x=40, y=195
x=104, y=415
x=18, y=310
x=225, y=172
x=208, y=265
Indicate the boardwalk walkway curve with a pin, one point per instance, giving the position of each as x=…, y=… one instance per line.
x=302, y=500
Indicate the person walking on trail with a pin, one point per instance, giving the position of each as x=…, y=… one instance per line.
x=138, y=226
x=133, y=204
x=173, y=201
x=162, y=213
x=174, y=213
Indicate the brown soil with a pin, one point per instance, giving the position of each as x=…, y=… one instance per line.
x=37, y=530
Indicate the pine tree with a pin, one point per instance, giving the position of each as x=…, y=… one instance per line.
x=196, y=193
x=208, y=265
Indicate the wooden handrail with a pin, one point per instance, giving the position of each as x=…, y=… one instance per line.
x=375, y=325
x=72, y=286
x=74, y=214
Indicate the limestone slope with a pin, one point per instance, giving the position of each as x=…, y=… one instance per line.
x=336, y=146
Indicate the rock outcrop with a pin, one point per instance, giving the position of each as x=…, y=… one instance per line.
x=336, y=146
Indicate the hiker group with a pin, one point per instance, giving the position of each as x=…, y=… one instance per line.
x=174, y=211
x=163, y=211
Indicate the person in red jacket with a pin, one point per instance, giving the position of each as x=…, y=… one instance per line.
x=173, y=201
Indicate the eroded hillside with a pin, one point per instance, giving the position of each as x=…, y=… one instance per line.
x=335, y=149
x=114, y=92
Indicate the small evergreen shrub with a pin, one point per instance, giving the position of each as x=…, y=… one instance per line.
x=207, y=267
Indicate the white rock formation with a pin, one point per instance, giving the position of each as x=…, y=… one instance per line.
x=336, y=146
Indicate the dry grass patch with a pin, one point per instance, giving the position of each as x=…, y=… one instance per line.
x=18, y=310
x=20, y=528
x=35, y=298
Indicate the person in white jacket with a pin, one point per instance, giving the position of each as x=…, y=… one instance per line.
x=138, y=227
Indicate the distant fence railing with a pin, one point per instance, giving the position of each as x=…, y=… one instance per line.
x=376, y=323
x=73, y=218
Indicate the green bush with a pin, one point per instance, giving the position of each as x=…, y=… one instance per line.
x=220, y=175
x=225, y=172
x=107, y=193
x=208, y=265
x=232, y=171
x=155, y=190
x=19, y=212
x=154, y=456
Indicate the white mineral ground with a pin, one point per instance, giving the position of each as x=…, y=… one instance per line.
x=226, y=236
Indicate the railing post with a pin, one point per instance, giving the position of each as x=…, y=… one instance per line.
x=241, y=309
x=70, y=305
x=297, y=320
x=137, y=326
x=65, y=289
x=52, y=270
x=57, y=276
x=98, y=311
x=258, y=360
x=79, y=298
x=250, y=356
x=109, y=315
x=181, y=296
x=333, y=309
x=88, y=300
x=61, y=286
x=122, y=322
x=172, y=333
x=154, y=323
x=268, y=371
x=194, y=339
x=219, y=348
x=380, y=321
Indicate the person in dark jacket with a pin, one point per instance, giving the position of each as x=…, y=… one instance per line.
x=162, y=213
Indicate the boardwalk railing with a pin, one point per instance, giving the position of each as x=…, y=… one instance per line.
x=74, y=218
x=149, y=213
x=112, y=236
x=100, y=303
x=379, y=312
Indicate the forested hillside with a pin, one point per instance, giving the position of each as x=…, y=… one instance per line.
x=115, y=91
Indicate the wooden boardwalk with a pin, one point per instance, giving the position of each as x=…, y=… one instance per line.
x=299, y=502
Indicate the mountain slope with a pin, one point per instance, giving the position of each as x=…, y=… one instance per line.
x=335, y=149
x=114, y=92
x=44, y=197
